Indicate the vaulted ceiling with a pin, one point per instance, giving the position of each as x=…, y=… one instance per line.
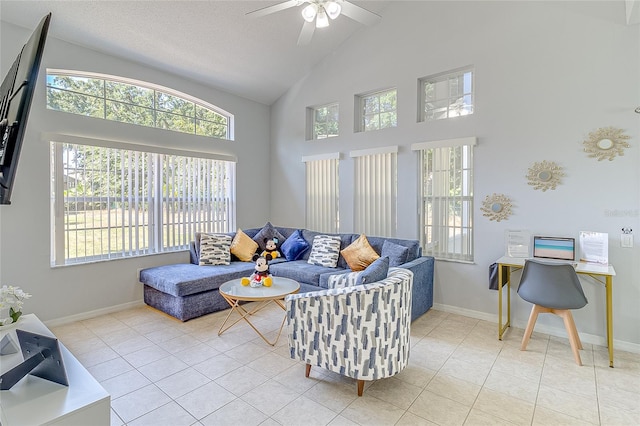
x=211, y=42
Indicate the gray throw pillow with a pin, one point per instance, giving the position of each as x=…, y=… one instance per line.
x=396, y=253
x=269, y=232
x=377, y=271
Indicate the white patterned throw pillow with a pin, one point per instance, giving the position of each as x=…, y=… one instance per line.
x=215, y=249
x=325, y=251
x=343, y=280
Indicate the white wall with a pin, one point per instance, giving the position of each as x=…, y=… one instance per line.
x=25, y=227
x=546, y=74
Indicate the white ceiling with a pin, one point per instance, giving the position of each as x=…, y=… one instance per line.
x=211, y=42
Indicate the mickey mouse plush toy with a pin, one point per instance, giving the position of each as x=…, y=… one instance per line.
x=271, y=247
x=261, y=275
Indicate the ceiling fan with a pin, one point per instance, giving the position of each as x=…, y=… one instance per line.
x=317, y=14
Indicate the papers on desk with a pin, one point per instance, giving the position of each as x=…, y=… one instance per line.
x=517, y=243
x=594, y=247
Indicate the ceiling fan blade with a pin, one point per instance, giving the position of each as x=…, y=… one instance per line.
x=359, y=14
x=306, y=33
x=273, y=9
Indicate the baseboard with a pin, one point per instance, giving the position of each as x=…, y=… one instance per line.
x=91, y=314
x=552, y=331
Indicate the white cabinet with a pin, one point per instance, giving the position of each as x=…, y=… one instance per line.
x=36, y=401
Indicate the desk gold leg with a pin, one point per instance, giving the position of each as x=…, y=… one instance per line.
x=500, y=302
x=608, y=286
x=501, y=271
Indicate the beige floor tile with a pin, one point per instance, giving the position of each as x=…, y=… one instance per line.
x=415, y=375
x=235, y=413
x=139, y=402
x=115, y=420
x=270, y=397
x=340, y=420
x=304, y=412
x=613, y=416
x=505, y=407
x=160, y=335
x=271, y=364
x=145, y=356
x=394, y=391
x=481, y=358
x=181, y=343
x=205, y=400
x=454, y=388
x=132, y=345
x=109, y=369
x=162, y=368
x=464, y=370
x=562, y=377
x=241, y=380
x=125, y=383
x=96, y=356
x=480, y=418
x=217, y=366
x=520, y=369
x=410, y=419
x=617, y=378
x=620, y=398
x=294, y=378
x=182, y=382
x=170, y=414
x=333, y=395
x=196, y=354
x=367, y=410
x=439, y=410
x=516, y=387
x=544, y=417
x=581, y=407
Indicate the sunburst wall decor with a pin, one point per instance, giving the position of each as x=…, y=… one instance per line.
x=545, y=175
x=496, y=207
x=606, y=143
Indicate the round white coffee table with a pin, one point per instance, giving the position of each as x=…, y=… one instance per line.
x=234, y=292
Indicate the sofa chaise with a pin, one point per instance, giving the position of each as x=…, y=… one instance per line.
x=188, y=290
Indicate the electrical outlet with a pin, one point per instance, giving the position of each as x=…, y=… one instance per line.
x=626, y=240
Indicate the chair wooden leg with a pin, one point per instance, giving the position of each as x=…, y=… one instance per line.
x=574, y=340
x=360, y=387
x=533, y=317
x=308, y=370
x=575, y=330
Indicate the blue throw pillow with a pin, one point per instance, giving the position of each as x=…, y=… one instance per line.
x=377, y=271
x=396, y=253
x=294, y=247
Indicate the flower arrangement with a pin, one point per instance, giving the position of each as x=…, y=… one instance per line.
x=13, y=298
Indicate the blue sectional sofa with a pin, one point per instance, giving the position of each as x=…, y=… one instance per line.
x=187, y=291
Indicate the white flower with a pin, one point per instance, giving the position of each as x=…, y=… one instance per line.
x=11, y=298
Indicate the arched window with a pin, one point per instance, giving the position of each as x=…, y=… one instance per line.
x=136, y=102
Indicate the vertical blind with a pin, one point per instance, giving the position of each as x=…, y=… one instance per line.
x=375, y=191
x=447, y=198
x=322, y=192
x=110, y=202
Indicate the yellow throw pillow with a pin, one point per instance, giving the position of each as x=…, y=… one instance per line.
x=243, y=247
x=359, y=254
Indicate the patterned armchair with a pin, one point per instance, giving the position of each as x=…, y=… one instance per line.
x=358, y=331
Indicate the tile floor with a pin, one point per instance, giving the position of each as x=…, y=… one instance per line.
x=160, y=371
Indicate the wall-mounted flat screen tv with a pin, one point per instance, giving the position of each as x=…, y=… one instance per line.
x=16, y=93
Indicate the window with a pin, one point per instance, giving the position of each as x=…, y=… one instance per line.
x=323, y=121
x=376, y=110
x=135, y=102
x=447, y=95
x=112, y=203
x=322, y=192
x=447, y=198
x=375, y=191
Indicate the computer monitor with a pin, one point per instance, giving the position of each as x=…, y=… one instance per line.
x=559, y=248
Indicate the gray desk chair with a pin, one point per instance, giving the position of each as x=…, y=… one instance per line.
x=555, y=289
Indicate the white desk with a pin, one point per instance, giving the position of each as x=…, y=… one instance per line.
x=597, y=272
x=36, y=401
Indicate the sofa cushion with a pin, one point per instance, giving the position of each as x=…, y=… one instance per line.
x=359, y=254
x=396, y=253
x=414, y=252
x=183, y=279
x=377, y=271
x=243, y=247
x=294, y=247
x=215, y=249
x=268, y=232
x=325, y=251
x=301, y=271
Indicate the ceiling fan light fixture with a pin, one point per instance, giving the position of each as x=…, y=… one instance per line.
x=333, y=9
x=309, y=13
x=322, y=20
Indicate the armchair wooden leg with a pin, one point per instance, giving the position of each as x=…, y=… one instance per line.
x=360, y=387
x=308, y=370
